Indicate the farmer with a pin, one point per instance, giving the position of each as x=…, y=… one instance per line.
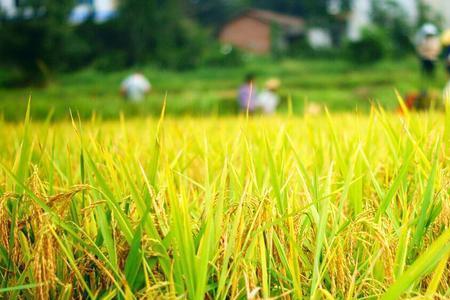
x=420, y=101
x=247, y=94
x=428, y=48
x=135, y=87
x=446, y=95
x=446, y=45
x=268, y=99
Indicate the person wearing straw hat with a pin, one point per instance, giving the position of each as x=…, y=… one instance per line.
x=446, y=45
x=247, y=94
x=446, y=95
x=428, y=48
x=268, y=99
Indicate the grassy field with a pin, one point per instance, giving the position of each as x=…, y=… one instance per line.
x=338, y=84
x=340, y=207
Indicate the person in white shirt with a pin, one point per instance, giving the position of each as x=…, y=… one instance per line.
x=268, y=99
x=428, y=48
x=135, y=87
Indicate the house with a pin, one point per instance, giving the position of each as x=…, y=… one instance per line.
x=261, y=32
x=319, y=38
x=100, y=9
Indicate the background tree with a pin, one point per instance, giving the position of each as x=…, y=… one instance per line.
x=138, y=21
x=34, y=42
x=427, y=15
x=390, y=17
x=159, y=31
x=212, y=13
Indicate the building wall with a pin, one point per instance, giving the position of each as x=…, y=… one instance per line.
x=319, y=38
x=103, y=8
x=359, y=18
x=8, y=6
x=443, y=7
x=248, y=34
x=106, y=5
x=361, y=9
x=410, y=7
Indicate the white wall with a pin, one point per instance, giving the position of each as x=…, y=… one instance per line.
x=360, y=15
x=410, y=7
x=105, y=5
x=359, y=18
x=443, y=8
x=319, y=38
x=104, y=8
x=8, y=6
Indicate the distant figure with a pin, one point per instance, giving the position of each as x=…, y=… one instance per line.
x=428, y=48
x=446, y=45
x=313, y=109
x=424, y=100
x=247, y=94
x=268, y=99
x=135, y=87
x=446, y=96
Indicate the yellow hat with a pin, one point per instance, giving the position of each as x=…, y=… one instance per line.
x=446, y=38
x=273, y=84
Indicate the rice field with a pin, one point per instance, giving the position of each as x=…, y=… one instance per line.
x=336, y=206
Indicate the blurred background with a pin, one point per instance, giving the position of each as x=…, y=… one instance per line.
x=74, y=54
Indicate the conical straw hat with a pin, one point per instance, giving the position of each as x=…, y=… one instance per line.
x=446, y=38
x=273, y=84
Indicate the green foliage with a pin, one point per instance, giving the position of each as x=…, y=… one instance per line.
x=36, y=41
x=290, y=7
x=106, y=50
x=35, y=46
x=390, y=17
x=226, y=208
x=212, y=13
x=184, y=47
x=141, y=20
x=158, y=32
x=427, y=15
x=155, y=32
x=223, y=55
x=370, y=48
x=211, y=89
